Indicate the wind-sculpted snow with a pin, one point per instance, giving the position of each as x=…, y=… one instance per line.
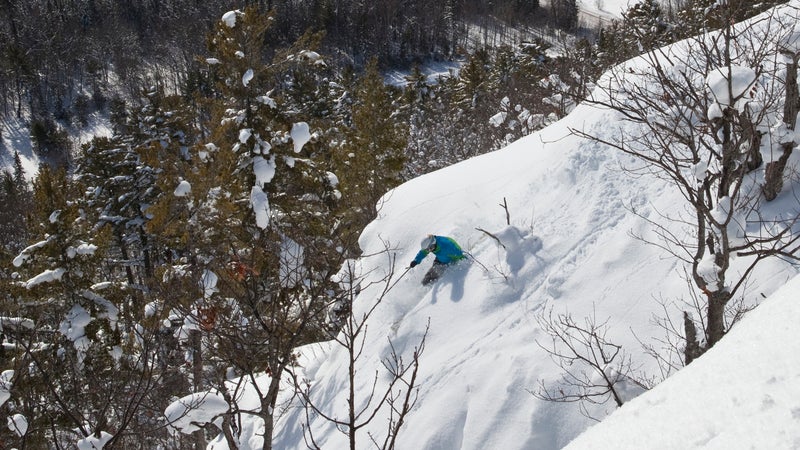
x=189, y=413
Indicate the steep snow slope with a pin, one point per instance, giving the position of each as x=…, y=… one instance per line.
x=14, y=136
x=743, y=393
x=571, y=250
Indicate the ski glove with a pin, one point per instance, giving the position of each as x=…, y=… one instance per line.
x=413, y=263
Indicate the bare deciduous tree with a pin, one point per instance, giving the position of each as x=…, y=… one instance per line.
x=393, y=397
x=594, y=369
x=693, y=114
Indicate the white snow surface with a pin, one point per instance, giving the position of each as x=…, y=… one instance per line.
x=93, y=442
x=247, y=77
x=432, y=70
x=607, y=9
x=743, y=393
x=18, y=424
x=47, y=276
x=74, y=325
x=209, y=283
x=25, y=254
x=740, y=78
x=82, y=249
x=229, y=18
x=183, y=189
x=264, y=169
x=244, y=135
x=300, y=135
x=5, y=385
x=260, y=204
x=569, y=247
x=190, y=412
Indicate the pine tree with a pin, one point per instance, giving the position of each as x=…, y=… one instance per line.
x=646, y=27
x=697, y=16
x=565, y=13
x=472, y=84
x=250, y=214
x=72, y=350
x=95, y=265
x=418, y=107
x=15, y=204
x=371, y=158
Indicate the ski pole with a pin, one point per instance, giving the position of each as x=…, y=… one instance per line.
x=398, y=278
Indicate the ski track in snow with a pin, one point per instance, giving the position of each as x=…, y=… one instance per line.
x=568, y=245
x=507, y=300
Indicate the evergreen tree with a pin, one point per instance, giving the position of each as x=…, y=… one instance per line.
x=20, y=184
x=250, y=215
x=73, y=349
x=646, y=26
x=697, y=16
x=471, y=88
x=419, y=110
x=565, y=13
x=371, y=159
x=15, y=205
x=100, y=361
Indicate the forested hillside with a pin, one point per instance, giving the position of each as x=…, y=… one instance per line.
x=105, y=48
x=66, y=65
x=201, y=241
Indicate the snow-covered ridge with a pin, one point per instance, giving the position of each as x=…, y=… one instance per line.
x=743, y=393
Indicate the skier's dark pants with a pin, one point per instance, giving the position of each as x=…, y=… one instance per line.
x=434, y=273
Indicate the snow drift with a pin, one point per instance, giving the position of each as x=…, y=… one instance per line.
x=743, y=393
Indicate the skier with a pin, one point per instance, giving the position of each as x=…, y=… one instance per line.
x=447, y=252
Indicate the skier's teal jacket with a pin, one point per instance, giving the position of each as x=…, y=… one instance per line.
x=447, y=251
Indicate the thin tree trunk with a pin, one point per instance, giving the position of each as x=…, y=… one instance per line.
x=351, y=400
x=268, y=405
x=773, y=176
x=692, y=350
x=197, y=375
x=716, y=317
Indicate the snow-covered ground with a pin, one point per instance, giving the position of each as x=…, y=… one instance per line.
x=605, y=9
x=432, y=70
x=15, y=136
x=481, y=355
x=573, y=252
x=743, y=394
x=569, y=249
